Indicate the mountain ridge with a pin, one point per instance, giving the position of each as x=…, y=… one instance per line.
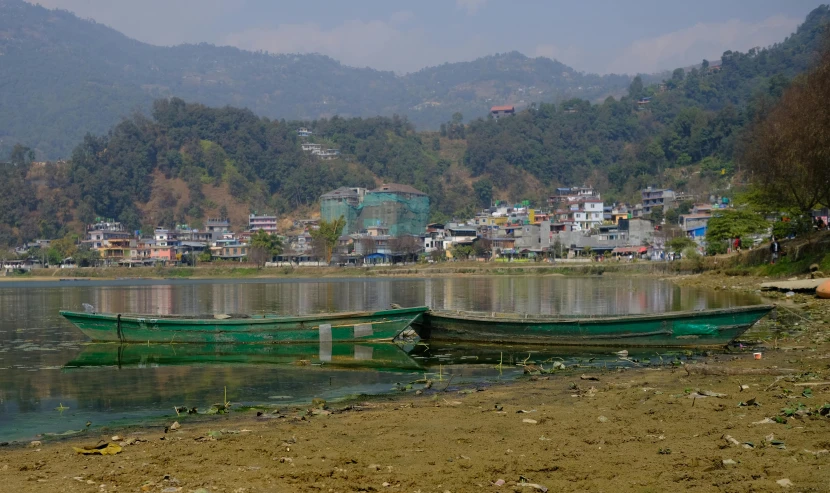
x=64, y=76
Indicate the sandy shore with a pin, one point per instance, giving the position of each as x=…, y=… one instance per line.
x=640, y=429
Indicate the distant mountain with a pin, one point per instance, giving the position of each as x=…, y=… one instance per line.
x=61, y=77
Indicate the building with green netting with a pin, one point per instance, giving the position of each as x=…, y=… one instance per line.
x=401, y=208
x=344, y=202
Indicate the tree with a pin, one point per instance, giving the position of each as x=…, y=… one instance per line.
x=483, y=247
x=588, y=251
x=462, y=252
x=657, y=214
x=264, y=247
x=731, y=223
x=787, y=146
x=635, y=90
x=66, y=246
x=685, y=207
x=21, y=156
x=483, y=189
x=680, y=243
x=326, y=235
x=407, y=246
x=86, y=256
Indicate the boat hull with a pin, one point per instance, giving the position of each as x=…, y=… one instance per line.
x=337, y=327
x=674, y=329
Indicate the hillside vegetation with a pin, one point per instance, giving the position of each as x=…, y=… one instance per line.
x=188, y=161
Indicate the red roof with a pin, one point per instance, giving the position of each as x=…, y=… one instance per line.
x=502, y=108
x=641, y=249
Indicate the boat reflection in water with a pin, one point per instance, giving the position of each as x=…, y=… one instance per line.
x=376, y=356
x=369, y=356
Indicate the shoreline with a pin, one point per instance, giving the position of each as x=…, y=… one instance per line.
x=649, y=428
x=570, y=431
x=413, y=270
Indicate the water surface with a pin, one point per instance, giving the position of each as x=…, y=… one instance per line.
x=52, y=380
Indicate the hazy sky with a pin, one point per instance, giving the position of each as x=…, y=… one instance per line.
x=590, y=35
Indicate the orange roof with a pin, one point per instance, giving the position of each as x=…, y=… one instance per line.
x=502, y=108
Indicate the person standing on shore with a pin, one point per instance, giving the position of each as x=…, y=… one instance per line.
x=774, y=248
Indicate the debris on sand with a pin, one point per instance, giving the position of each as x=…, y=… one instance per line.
x=99, y=449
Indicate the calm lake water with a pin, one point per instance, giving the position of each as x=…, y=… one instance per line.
x=53, y=381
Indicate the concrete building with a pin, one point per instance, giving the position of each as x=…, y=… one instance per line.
x=581, y=214
x=345, y=202
x=694, y=225
x=566, y=195
x=630, y=233
x=267, y=223
x=400, y=208
x=458, y=234
x=100, y=234
x=657, y=197
x=217, y=228
x=533, y=237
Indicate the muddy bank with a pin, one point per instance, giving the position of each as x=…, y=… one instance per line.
x=728, y=423
x=635, y=430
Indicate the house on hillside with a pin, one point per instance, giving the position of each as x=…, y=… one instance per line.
x=266, y=222
x=217, y=228
x=657, y=197
x=500, y=111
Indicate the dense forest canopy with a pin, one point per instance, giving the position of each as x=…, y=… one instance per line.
x=63, y=77
x=651, y=136
x=684, y=133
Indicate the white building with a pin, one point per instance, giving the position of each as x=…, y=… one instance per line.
x=459, y=234
x=582, y=214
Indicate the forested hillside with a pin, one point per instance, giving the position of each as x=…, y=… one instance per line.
x=63, y=77
x=188, y=161
x=683, y=133
x=131, y=173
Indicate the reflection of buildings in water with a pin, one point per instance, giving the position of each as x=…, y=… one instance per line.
x=430, y=294
x=306, y=297
x=503, y=295
x=225, y=298
x=570, y=297
x=546, y=293
x=160, y=299
x=383, y=294
x=187, y=299
x=526, y=296
x=114, y=300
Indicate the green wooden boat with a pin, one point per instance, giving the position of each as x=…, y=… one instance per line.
x=382, y=325
x=342, y=355
x=715, y=327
